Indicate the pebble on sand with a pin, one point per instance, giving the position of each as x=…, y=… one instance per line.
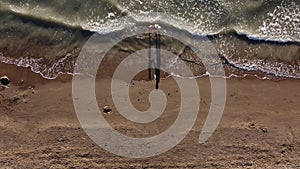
x=5, y=81
x=107, y=109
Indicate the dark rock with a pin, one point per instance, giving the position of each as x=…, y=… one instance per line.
x=5, y=80
x=107, y=109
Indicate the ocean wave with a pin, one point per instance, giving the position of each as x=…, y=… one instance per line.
x=47, y=71
x=279, y=23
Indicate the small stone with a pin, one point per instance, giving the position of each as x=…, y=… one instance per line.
x=252, y=125
x=5, y=81
x=264, y=129
x=107, y=109
x=61, y=140
x=83, y=154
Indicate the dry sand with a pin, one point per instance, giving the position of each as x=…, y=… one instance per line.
x=39, y=128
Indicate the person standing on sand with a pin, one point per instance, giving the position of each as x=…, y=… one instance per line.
x=154, y=33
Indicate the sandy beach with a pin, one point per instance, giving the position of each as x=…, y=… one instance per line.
x=39, y=128
x=253, y=45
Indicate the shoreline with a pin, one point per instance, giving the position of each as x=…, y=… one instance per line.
x=18, y=73
x=240, y=56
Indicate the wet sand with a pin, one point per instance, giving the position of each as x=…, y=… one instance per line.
x=39, y=128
